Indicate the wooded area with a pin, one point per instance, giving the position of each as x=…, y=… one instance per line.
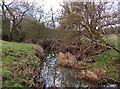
x=23, y=22
x=84, y=35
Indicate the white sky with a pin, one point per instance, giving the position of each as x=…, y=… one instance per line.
x=47, y=3
x=54, y=3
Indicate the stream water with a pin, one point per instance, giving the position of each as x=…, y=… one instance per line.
x=55, y=75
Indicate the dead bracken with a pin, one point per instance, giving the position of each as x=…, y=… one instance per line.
x=70, y=60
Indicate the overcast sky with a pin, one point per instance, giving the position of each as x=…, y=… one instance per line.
x=47, y=3
x=55, y=3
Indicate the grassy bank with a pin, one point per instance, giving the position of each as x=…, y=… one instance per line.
x=101, y=67
x=108, y=60
x=18, y=64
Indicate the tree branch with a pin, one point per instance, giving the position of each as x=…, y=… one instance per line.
x=22, y=17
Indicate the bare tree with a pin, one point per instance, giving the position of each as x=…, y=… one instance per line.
x=91, y=19
x=52, y=18
x=15, y=12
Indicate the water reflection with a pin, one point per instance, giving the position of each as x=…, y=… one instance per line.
x=58, y=76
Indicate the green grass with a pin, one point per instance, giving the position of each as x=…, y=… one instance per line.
x=18, y=46
x=109, y=60
x=113, y=39
x=12, y=54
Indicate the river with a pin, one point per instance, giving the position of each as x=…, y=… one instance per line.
x=55, y=75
